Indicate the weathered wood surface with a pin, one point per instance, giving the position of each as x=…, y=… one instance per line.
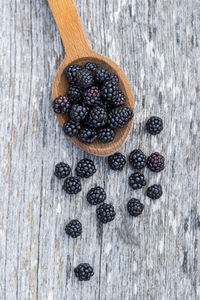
x=155, y=256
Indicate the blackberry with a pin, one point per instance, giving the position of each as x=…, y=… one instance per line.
x=135, y=207
x=74, y=228
x=61, y=105
x=85, y=79
x=154, y=191
x=117, y=161
x=106, y=135
x=72, y=185
x=114, y=78
x=91, y=66
x=154, y=125
x=109, y=91
x=120, y=100
x=62, y=170
x=137, y=180
x=97, y=117
x=71, y=73
x=78, y=112
x=101, y=75
x=92, y=96
x=105, y=213
x=156, y=162
x=87, y=135
x=96, y=195
x=137, y=159
x=74, y=93
x=119, y=117
x=84, y=272
x=71, y=128
x=85, y=168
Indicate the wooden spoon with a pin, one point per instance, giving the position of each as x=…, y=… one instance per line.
x=78, y=51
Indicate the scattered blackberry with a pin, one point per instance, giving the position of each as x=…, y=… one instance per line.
x=71, y=72
x=156, y=162
x=61, y=105
x=135, y=207
x=85, y=79
x=84, y=272
x=78, y=112
x=117, y=161
x=106, y=135
x=154, y=125
x=109, y=91
x=137, y=180
x=96, y=195
x=91, y=66
x=120, y=100
x=154, y=191
x=97, y=117
x=72, y=185
x=101, y=75
x=87, y=135
x=114, y=78
x=74, y=93
x=92, y=96
x=105, y=213
x=85, y=168
x=137, y=159
x=62, y=170
x=119, y=117
x=71, y=128
x=74, y=228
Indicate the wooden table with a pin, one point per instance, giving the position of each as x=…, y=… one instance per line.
x=155, y=256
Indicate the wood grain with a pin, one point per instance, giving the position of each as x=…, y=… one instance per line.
x=155, y=256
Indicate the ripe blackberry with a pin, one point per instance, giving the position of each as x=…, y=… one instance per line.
x=114, y=78
x=74, y=228
x=92, y=96
x=119, y=117
x=71, y=128
x=97, y=117
x=87, y=135
x=106, y=135
x=154, y=191
x=96, y=195
x=85, y=79
x=84, y=272
x=74, y=93
x=120, y=100
x=62, y=170
x=101, y=75
x=91, y=66
x=156, y=162
x=71, y=73
x=61, y=105
x=117, y=161
x=109, y=91
x=85, y=168
x=78, y=112
x=154, y=125
x=137, y=180
x=72, y=185
x=105, y=213
x=135, y=207
x=137, y=159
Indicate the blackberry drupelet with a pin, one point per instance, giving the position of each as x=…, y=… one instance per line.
x=92, y=96
x=71, y=73
x=97, y=117
x=72, y=185
x=85, y=168
x=105, y=213
x=74, y=228
x=74, y=93
x=85, y=79
x=106, y=135
x=156, y=162
x=71, y=128
x=154, y=191
x=154, y=125
x=137, y=159
x=109, y=91
x=62, y=170
x=84, y=272
x=114, y=78
x=119, y=117
x=101, y=75
x=120, y=100
x=135, y=207
x=137, y=180
x=96, y=195
x=78, y=112
x=61, y=105
x=91, y=66
x=87, y=135
x=117, y=161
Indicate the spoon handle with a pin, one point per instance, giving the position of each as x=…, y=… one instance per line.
x=69, y=24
